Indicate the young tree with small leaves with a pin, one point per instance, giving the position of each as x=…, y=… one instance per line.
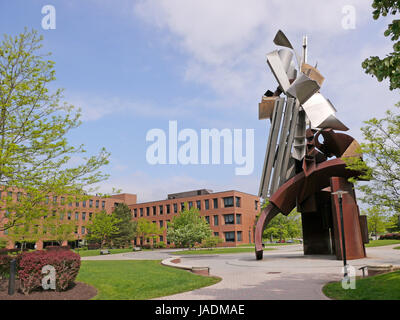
x=34, y=122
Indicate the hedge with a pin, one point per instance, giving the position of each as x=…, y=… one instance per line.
x=5, y=266
x=66, y=264
x=390, y=236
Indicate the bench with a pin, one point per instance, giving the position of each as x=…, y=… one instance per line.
x=137, y=249
x=104, y=251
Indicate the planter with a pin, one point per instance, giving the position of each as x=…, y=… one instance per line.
x=204, y=271
x=379, y=269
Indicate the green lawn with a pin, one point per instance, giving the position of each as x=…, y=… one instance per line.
x=397, y=248
x=379, y=243
x=268, y=244
x=216, y=251
x=380, y=287
x=90, y=253
x=138, y=279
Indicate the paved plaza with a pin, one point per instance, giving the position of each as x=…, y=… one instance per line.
x=284, y=273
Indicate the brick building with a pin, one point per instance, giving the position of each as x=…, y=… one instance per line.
x=231, y=214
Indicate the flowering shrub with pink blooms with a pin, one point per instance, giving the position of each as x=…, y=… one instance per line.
x=30, y=264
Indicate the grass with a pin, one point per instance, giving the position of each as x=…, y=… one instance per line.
x=380, y=287
x=379, y=243
x=397, y=248
x=267, y=244
x=91, y=253
x=138, y=279
x=216, y=251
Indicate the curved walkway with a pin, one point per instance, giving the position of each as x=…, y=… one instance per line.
x=284, y=273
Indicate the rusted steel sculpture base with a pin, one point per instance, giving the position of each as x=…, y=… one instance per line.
x=310, y=190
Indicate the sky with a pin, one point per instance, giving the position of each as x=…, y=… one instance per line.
x=133, y=66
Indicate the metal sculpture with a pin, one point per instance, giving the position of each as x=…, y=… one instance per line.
x=304, y=158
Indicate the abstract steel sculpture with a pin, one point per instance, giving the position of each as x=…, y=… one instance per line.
x=304, y=158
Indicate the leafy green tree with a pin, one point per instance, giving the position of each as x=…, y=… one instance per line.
x=148, y=230
x=34, y=151
x=378, y=220
x=381, y=146
x=127, y=228
x=388, y=67
x=59, y=229
x=188, y=228
x=282, y=227
x=103, y=227
x=212, y=242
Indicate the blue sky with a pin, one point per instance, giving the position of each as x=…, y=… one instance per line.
x=132, y=66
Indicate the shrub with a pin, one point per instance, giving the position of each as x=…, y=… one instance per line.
x=52, y=248
x=211, y=242
x=5, y=266
x=3, y=244
x=66, y=264
x=160, y=245
x=390, y=236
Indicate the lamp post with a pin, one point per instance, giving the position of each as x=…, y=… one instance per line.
x=340, y=194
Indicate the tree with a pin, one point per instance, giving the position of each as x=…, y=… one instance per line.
x=212, y=242
x=148, y=230
x=34, y=151
x=378, y=220
x=126, y=227
x=58, y=229
x=188, y=228
x=283, y=227
x=102, y=228
x=388, y=67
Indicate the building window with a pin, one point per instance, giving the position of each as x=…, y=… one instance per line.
x=216, y=234
x=69, y=215
x=148, y=211
x=168, y=209
x=229, y=218
x=83, y=230
x=76, y=215
x=207, y=204
x=207, y=219
x=237, y=202
x=198, y=204
x=190, y=204
x=62, y=200
x=215, y=203
x=135, y=213
x=161, y=223
x=70, y=204
x=84, y=203
x=19, y=196
x=141, y=212
x=229, y=236
x=182, y=206
x=239, y=235
x=175, y=208
x=46, y=199
x=61, y=216
x=76, y=204
x=154, y=210
x=238, y=219
x=55, y=199
x=83, y=215
x=90, y=216
x=97, y=203
x=90, y=203
x=228, y=202
x=161, y=209
x=161, y=239
x=256, y=204
x=103, y=204
x=216, y=221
